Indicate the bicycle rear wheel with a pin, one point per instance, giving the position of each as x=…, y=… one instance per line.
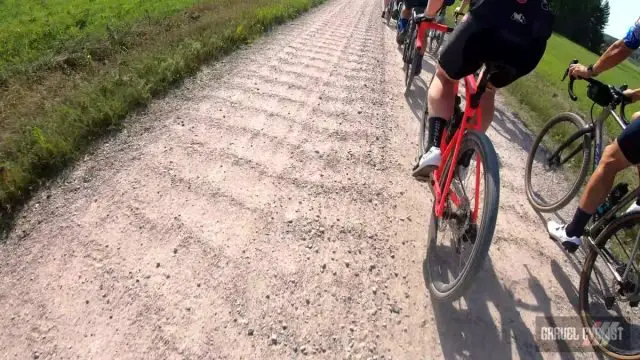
x=558, y=154
x=388, y=11
x=446, y=276
x=604, y=300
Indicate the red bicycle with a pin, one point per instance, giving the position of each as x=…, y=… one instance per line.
x=465, y=219
x=419, y=24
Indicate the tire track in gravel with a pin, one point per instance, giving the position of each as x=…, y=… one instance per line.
x=265, y=210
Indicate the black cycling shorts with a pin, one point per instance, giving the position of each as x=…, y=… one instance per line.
x=476, y=42
x=629, y=142
x=416, y=3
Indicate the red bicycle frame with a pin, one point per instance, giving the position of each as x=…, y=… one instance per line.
x=423, y=26
x=453, y=147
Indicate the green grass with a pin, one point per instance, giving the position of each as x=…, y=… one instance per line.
x=34, y=31
x=63, y=94
x=543, y=93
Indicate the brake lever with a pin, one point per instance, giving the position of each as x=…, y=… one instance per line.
x=566, y=72
x=571, y=80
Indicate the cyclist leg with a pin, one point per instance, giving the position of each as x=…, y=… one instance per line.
x=420, y=52
x=403, y=21
x=619, y=155
x=473, y=44
x=455, y=61
x=635, y=206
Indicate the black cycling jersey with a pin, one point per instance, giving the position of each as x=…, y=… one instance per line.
x=522, y=18
x=511, y=32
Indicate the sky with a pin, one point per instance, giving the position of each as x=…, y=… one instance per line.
x=623, y=14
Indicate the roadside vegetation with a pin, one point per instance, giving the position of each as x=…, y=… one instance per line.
x=71, y=70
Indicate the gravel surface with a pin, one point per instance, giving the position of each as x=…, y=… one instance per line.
x=264, y=210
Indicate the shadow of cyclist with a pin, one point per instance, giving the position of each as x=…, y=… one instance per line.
x=416, y=97
x=472, y=332
x=511, y=127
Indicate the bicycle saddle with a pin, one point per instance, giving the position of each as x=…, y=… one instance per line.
x=492, y=67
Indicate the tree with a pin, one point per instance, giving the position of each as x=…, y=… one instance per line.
x=582, y=21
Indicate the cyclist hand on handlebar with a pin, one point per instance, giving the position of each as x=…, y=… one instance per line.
x=633, y=95
x=580, y=71
x=615, y=54
x=460, y=10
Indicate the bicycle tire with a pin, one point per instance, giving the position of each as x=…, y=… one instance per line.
x=406, y=48
x=438, y=44
x=430, y=36
x=411, y=71
x=434, y=42
x=409, y=45
x=586, y=151
x=583, y=289
x=489, y=160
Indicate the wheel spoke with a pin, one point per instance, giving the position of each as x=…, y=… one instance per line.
x=457, y=247
x=602, y=296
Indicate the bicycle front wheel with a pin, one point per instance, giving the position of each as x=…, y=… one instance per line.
x=458, y=233
x=411, y=71
x=560, y=153
x=605, y=301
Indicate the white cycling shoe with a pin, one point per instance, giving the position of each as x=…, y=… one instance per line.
x=427, y=164
x=633, y=208
x=558, y=232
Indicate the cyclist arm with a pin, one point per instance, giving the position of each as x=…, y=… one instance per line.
x=615, y=54
x=433, y=7
x=463, y=6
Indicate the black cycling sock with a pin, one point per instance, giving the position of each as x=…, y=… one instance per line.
x=436, y=127
x=576, y=226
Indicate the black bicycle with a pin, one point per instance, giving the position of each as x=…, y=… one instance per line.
x=563, y=148
x=415, y=42
x=609, y=291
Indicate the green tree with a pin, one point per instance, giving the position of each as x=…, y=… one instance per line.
x=582, y=21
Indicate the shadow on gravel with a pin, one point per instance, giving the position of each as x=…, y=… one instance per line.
x=511, y=127
x=467, y=328
x=416, y=97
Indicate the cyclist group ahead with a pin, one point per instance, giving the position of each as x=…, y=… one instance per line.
x=514, y=33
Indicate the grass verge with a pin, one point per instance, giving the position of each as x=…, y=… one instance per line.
x=50, y=114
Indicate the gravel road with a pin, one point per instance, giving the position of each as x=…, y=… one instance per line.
x=265, y=210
